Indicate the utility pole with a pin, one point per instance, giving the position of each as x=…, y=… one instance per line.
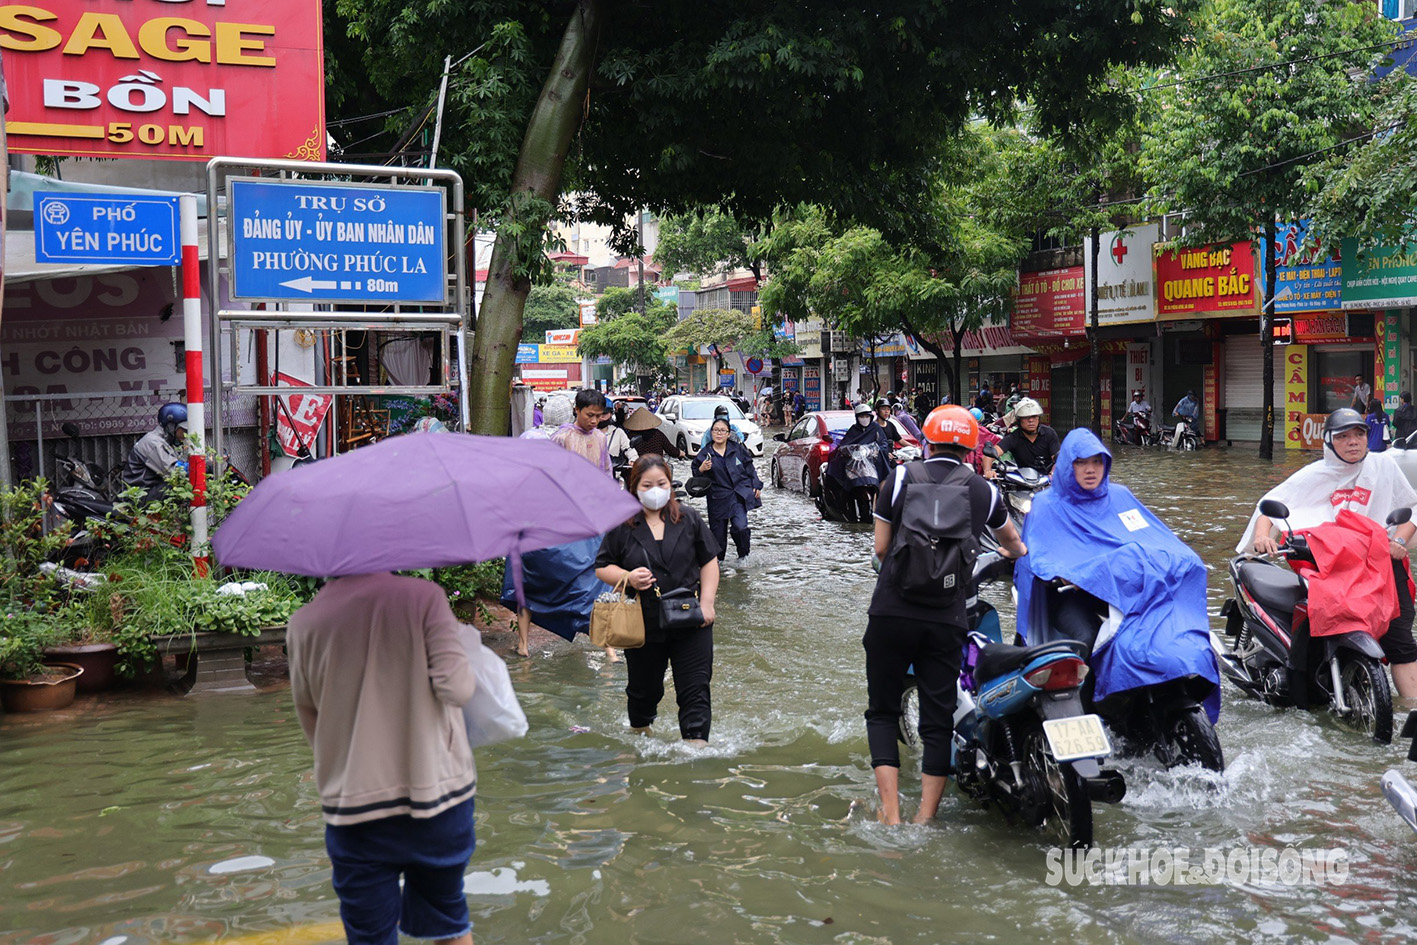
x=640, y=228
x=4, y=222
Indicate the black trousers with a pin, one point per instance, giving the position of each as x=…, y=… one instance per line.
x=730, y=515
x=1397, y=643
x=689, y=654
x=892, y=645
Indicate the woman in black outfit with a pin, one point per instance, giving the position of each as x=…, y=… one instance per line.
x=665, y=547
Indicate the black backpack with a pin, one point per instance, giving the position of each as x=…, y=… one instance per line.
x=933, y=551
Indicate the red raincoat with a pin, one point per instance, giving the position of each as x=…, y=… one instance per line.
x=1351, y=588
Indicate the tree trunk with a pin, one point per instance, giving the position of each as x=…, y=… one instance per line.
x=1096, y=421
x=1271, y=230
x=941, y=359
x=540, y=163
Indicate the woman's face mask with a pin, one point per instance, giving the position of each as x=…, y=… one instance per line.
x=654, y=498
x=864, y=420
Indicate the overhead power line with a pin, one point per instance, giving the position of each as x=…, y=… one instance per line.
x=1406, y=41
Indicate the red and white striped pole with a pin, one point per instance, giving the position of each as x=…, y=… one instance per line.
x=196, y=411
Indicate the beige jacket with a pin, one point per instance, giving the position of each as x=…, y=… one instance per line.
x=379, y=676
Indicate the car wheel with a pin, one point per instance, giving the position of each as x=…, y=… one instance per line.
x=683, y=444
x=776, y=475
x=806, y=481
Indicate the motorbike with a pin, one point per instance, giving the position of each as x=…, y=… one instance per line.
x=1022, y=741
x=1190, y=440
x=1168, y=720
x=83, y=492
x=1019, y=485
x=1134, y=429
x=852, y=479
x=1270, y=607
x=1397, y=789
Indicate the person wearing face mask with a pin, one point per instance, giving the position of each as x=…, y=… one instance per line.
x=622, y=454
x=666, y=546
x=851, y=483
x=735, y=489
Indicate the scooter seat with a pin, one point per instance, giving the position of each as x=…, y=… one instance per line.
x=1276, y=590
x=996, y=659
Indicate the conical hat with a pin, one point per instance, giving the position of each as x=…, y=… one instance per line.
x=640, y=420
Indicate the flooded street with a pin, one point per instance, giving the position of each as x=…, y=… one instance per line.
x=165, y=820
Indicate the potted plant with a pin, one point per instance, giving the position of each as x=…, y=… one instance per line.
x=78, y=642
x=27, y=682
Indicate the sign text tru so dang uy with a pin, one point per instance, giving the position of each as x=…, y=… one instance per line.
x=337, y=242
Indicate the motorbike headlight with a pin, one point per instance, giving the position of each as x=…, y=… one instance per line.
x=1024, y=503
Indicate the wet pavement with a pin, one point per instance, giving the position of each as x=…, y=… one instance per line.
x=158, y=819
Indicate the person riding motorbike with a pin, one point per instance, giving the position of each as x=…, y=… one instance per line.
x=1369, y=484
x=1034, y=443
x=1109, y=551
x=982, y=456
x=158, y=452
x=1188, y=410
x=1137, y=419
x=844, y=473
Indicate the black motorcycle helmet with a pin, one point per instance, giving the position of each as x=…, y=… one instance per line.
x=170, y=417
x=1344, y=418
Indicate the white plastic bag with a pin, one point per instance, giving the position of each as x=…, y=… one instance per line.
x=492, y=714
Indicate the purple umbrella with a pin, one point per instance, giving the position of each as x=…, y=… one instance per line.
x=424, y=500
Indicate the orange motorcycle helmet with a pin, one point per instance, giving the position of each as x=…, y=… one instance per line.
x=951, y=424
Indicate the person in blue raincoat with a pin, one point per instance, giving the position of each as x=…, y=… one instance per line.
x=1094, y=534
x=735, y=489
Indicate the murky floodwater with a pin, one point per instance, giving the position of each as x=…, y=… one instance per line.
x=180, y=821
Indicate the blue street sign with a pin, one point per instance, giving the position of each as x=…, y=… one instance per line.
x=106, y=228
x=528, y=354
x=293, y=241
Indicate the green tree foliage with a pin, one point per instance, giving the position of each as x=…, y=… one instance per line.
x=704, y=242
x=679, y=104
x=618, y=300
x=631, y=339
x=1236, y=131
x=1369, y=191
x=710, y=326
x=549, y=307
x=955, y=276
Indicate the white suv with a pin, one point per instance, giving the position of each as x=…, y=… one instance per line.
x=686, y=419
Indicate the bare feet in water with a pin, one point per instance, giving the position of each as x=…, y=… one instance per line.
x=611, y=655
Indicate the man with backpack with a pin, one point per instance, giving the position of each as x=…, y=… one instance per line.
x=928, y=517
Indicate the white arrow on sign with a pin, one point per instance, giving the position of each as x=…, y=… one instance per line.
x=307, y=284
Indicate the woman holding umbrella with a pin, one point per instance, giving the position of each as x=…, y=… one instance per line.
x=665, y=547
x=735, y=489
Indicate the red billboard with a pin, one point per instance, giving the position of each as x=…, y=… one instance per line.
x=165, y=79
x=1207, y=280
x=1049, y=304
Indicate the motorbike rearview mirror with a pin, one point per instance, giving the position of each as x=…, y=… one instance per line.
x=70, y=430
x=1399, y=516
x=1273, y=508
x=990, y=452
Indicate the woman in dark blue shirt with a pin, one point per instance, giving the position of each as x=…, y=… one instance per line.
x=735, y=488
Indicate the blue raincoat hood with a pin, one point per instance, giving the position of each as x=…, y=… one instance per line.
x=1110, y=545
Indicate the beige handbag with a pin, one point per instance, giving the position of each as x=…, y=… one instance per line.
x=620, y=622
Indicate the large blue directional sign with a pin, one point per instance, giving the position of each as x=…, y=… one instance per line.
x=106, y=228
x=293, y=241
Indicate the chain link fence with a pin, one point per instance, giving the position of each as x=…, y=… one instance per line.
x=108, y=423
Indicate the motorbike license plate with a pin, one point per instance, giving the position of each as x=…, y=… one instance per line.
x=1079, y=737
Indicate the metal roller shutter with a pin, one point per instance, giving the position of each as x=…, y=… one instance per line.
x=1244, y=389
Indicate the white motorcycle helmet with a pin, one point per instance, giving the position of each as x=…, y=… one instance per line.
x=1027, y=407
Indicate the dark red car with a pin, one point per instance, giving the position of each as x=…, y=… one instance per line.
x=798, y=462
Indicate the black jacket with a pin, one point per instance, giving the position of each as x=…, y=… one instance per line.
x=675, y=562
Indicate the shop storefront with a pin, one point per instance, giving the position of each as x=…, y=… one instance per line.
x=1383, y=280
x=1199, y=292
